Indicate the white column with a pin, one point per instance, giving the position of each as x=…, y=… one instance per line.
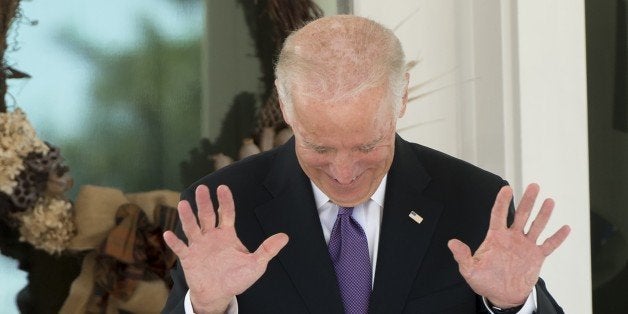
x=553, y=134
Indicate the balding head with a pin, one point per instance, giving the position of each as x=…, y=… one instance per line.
x=338, y=57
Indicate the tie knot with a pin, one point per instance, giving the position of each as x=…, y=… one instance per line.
x=344, y=211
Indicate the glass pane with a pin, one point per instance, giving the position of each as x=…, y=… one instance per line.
x=116, y=86
x=138, y=95
x=118, y=89
x=607, y=64
x=12, y=281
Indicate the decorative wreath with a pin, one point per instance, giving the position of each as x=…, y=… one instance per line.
x=32, y=186
x=127, y=267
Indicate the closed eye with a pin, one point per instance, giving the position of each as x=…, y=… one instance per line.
x=321, y=150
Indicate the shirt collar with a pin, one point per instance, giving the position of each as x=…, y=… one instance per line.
x=378, y=196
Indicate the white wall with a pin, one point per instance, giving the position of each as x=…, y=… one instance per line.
x=428, y=36
x=517, y=106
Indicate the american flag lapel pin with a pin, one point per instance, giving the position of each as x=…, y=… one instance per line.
x=416, y=217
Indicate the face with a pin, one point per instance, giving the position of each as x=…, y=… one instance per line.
x=345, y=147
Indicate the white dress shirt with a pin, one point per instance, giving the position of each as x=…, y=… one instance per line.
x=369, y=216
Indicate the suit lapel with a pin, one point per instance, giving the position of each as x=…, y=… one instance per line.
x=292, y=210
x=403, y=242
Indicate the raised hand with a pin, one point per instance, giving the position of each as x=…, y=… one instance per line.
x=507, y=264
x=216, y=264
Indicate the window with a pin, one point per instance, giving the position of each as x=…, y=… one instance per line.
x=127, y=90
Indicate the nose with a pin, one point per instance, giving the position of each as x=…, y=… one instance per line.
x=344, y=168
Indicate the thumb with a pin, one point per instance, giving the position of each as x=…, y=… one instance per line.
x=271, y=247
x=462, y=254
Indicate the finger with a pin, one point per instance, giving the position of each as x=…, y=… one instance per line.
x=539, y=223
x=499, y=213
x=271, y=247
x=522, y=214
x=175, y=244
x=553, y=242
x=188, y=220
x=462, y=255
x=226, y=207
x=206, y=214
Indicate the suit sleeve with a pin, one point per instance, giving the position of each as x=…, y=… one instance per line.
x=545, y=302
x=175, y=304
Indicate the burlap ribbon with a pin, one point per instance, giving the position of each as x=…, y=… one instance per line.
x=128, y=270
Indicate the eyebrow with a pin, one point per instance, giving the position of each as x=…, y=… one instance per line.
x=373, y=143
x=312, y=145
x=367, y=145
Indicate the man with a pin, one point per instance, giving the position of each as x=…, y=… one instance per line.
x=347, y=217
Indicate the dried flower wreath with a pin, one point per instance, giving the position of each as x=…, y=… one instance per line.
x=33, y=181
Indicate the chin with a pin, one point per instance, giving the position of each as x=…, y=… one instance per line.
x=349, y=199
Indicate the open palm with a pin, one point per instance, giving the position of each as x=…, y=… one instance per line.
x=216, y=264
x=506, y=266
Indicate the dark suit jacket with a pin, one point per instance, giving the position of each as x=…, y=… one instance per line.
x=415, y=271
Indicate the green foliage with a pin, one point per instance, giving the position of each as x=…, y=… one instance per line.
x=144, y=115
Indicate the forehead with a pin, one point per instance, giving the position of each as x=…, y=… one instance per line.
x=352, y=120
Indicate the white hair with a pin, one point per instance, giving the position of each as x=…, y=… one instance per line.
x=337, y=57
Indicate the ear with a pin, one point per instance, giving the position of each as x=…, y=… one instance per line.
x=284, y=112
x=404, y=100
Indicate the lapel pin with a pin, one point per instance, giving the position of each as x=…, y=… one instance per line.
x=416, y=217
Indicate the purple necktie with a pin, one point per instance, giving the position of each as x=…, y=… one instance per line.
x=349, y=252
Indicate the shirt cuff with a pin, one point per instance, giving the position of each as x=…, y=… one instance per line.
x=187, y=305
x=528, y=308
